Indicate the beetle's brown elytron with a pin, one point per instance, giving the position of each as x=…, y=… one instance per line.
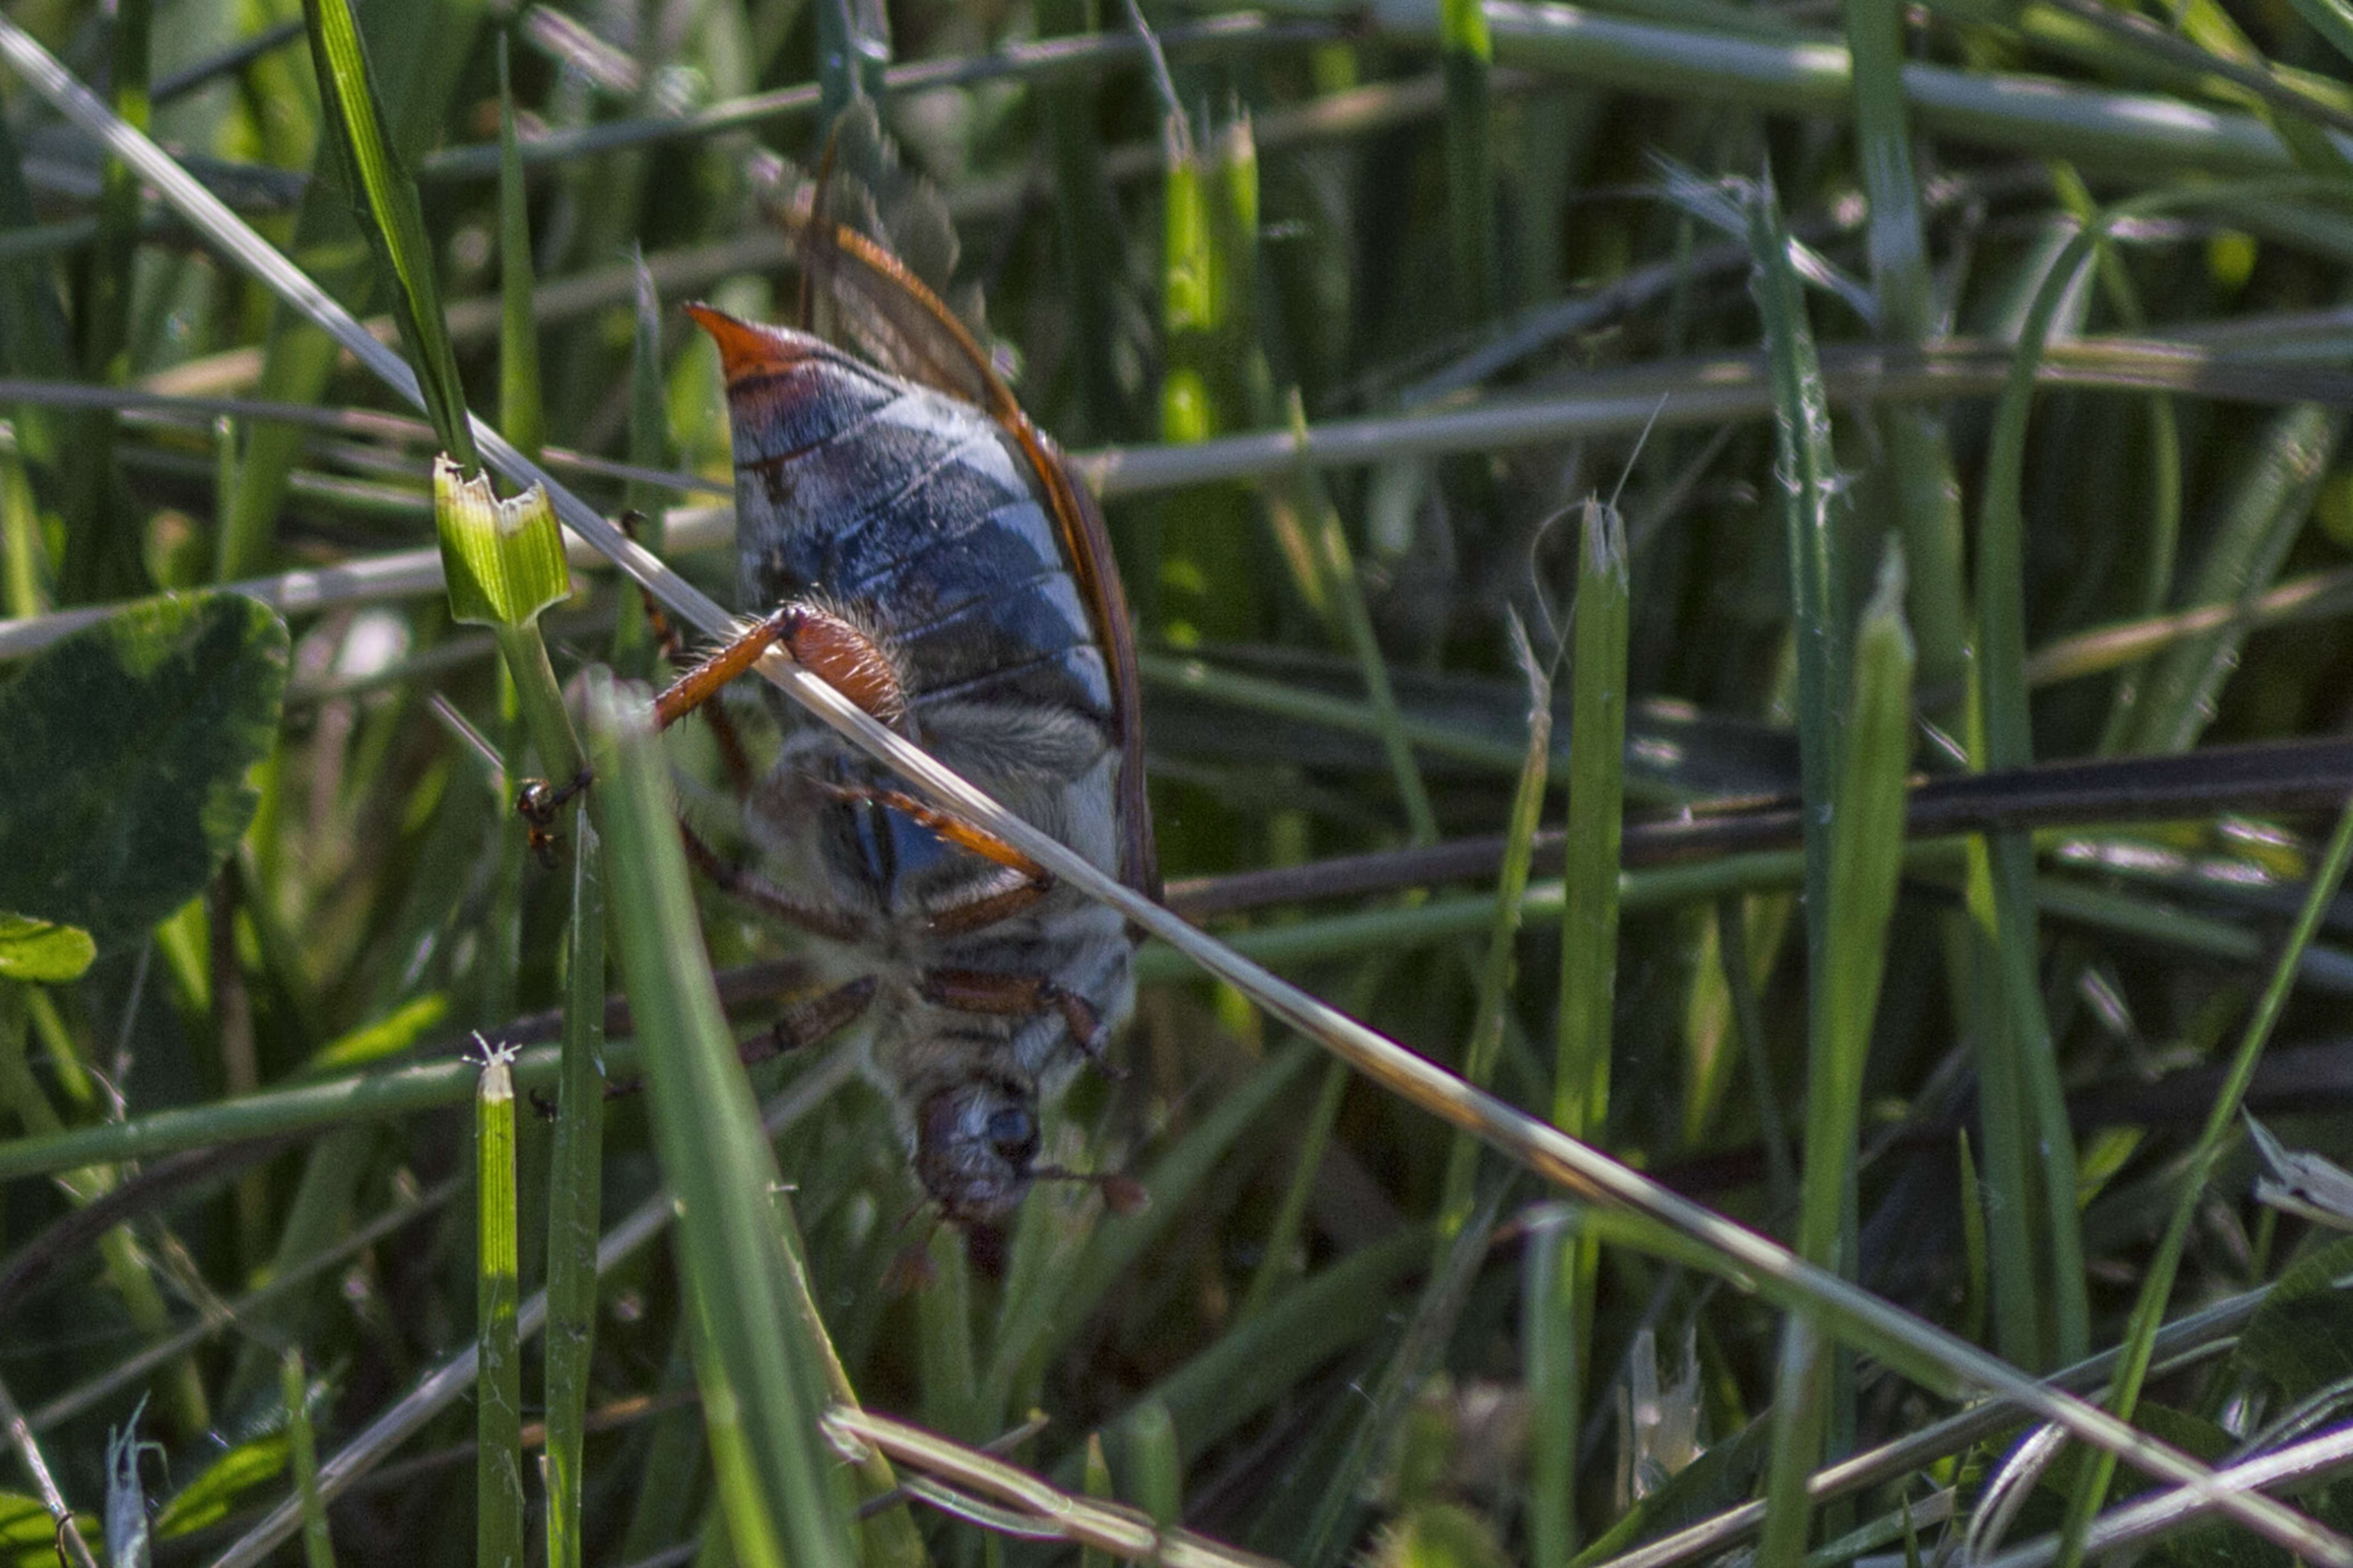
x=919, y=544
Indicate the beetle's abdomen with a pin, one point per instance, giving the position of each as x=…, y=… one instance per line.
x=905, y=509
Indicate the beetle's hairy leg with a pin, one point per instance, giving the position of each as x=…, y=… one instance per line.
x=988, y=991
x=811, y=1019
x=963, y=835
x=979, y=908
x=819, y=641
x=834, y=924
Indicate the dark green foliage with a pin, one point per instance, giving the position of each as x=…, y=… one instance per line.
x=125, y=780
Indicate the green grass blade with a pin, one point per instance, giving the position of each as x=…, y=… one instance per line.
x=2222, y=1120
x=1468, y=53
x=633, y=641
x=1866, y=835
x=1314, y=539
x=2261, y=517
x=759, y=1365
x=1561, y=1347
x=575, y=1182
x=498, y=1400
x=1096, y=1483
x=522, y=413
x=1156, y=1470
x=385, y=199
x=1496, y=973
x=1918, y=461
x=303, y=1453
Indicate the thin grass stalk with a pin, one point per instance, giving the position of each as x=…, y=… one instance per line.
x=303, y=1457
x=1814, y=524
x=2122, y=131
x=1496, y=973
x=1866, y=834
x=2222, y=1118
x=575, y=1184
x=762, y=1361
x=2020, y=1105
x=1277, y=1262
x=498, y=1400
x=522, y=413
x=1919, y=1347
x=1563, y=1320
x=633, y=641
x=1919, y=461
x=1310, y=525
x=1626, y=404
x=2000, y=879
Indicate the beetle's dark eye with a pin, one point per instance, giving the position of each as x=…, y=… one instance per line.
x=1013, y=1130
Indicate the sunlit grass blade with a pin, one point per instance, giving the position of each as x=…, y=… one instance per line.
x=1866, y=834
x=498, y=1399
x=390, y=216
x=1560, y=1326
x=764, y=1363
